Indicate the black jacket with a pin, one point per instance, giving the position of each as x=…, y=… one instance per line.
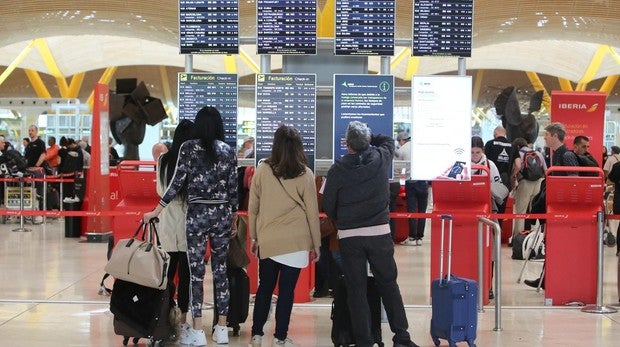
x=357, y=189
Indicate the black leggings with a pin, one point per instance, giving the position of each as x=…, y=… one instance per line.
x=179, y=259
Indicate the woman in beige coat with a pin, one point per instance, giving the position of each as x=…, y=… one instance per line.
x=172, y=224
x=284, y=224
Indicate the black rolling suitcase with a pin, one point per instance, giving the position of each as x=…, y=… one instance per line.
x=140, y=312
x=454, y=302
x=342, y=329
x=239, y=303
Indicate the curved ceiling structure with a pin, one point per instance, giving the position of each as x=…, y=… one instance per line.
x=555, y=38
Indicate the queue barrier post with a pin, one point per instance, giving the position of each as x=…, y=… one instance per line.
x=467, y=200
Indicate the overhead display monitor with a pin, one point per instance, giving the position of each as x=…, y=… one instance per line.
x=209, y=26
x=442, y=27
x=365, y=98
x=364, y=27
x=441, y=128
x=286, y=26
x=285, y=99
x=197, y=90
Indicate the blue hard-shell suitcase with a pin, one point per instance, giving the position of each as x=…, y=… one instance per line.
x=454, y=302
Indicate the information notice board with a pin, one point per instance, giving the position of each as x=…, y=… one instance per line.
x=209, y=26
x=442, y=27
x=441, y=128
x=285, y=99
x=286, y=26
x=364, y=27
x=365, y=98
x=197, y=90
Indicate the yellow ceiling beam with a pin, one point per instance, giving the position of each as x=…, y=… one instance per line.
x=565, y=84
x=412, y=67
x=609, y=84
x=230, y=64
x=399, y=57
x=248, y=61
x=477, y=84
x=37, y=84
x=538, y=86
x=595, y=64
x=52, y=67
x=167, y=93
x=105, y=78
x=326, y=20
x=76, y=84
x=22, y=55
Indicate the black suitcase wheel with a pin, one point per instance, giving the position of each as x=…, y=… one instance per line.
x=436, y=341
x=125, y=340
x=136, y=340
x=236, y=329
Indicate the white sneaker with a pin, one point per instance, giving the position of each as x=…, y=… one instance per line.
x=286, y=343
x=418, y=242
x=408, y=242
x=183, y=330
x=256, y=341
x=220, y=334
x=194, y=337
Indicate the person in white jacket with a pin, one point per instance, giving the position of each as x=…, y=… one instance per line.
x=172, y=224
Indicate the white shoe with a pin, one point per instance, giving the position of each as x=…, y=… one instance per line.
x=418, y=242
x=256, y=341
x=194, y=337
x=286, y=343
x=408, y=242
x=220, y=334
x=183, y=330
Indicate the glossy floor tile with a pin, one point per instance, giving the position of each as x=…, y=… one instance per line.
x=49, y=297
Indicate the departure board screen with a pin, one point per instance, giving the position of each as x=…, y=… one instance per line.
x=209, y=26
x=197, y=90
x=364, y=27
x=442, y=27
x=286, y=26
x=288, y=99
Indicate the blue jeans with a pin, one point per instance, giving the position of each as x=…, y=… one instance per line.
x=379, y=252
x=417, y=200
x=268, y=272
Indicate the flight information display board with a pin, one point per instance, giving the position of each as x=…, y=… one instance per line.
x=197, y=90
x=209, y=26
x=288, y=99
x=286, y=26
x=364, y=27
x=442, y=27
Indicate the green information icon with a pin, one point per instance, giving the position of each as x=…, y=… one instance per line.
x=384, y=86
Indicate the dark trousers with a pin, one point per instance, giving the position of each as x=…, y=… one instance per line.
x=178, y=261
x=417, y=200
x=378, y=251
x=322, y=268
x=268, y=271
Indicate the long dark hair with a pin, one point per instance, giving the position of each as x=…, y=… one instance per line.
x=209, y=127
x=287, y=158
x=168, y=161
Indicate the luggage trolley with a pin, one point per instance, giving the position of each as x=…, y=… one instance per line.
x=18, y=195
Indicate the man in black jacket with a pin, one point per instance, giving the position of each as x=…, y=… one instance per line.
x=356, y=197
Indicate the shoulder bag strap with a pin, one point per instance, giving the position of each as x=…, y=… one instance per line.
x=289, y=195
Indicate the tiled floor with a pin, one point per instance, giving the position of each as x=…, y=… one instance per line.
x=49, y=285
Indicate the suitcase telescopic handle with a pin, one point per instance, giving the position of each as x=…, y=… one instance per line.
x=444, y=218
